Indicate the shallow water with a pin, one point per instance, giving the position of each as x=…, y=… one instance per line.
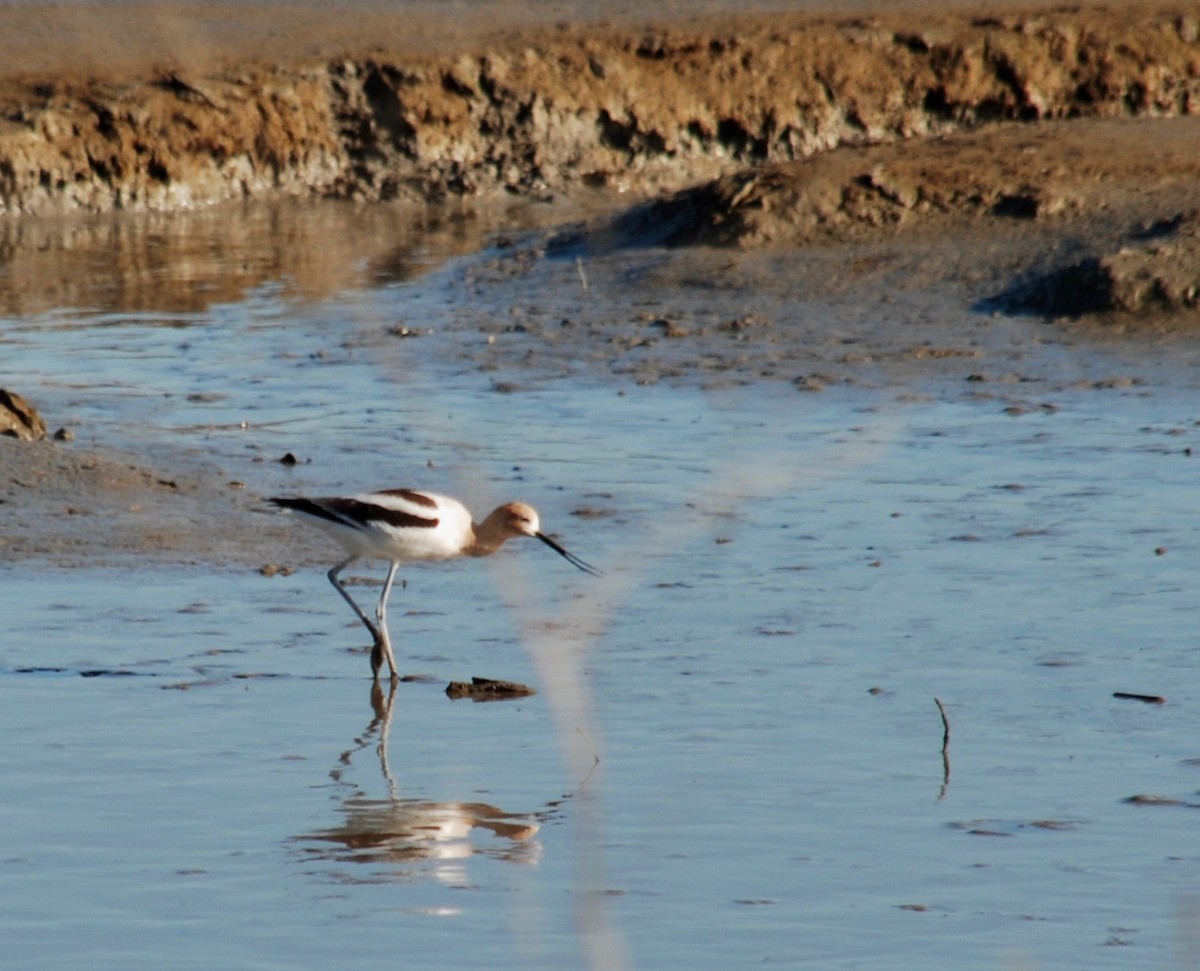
x=195, y=777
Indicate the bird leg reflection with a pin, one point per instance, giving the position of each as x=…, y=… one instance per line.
x=382, y=723
x=411, y=836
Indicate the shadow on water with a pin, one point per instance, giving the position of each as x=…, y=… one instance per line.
x=411, y=837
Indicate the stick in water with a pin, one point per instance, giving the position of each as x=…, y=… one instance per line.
x=945, y=724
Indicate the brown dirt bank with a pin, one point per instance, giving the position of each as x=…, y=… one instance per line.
x=1125, y=191
x=1051, y=171
x=620, y=106
x=122, y=40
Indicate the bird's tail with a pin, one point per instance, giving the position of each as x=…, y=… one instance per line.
x=307, y=506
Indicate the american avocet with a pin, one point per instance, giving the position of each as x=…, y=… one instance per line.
x=402, y=526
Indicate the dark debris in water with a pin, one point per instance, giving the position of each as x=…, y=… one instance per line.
x=215, y=680
x=1054, y=824
x=1148, y=799
x=87, y=672
x=130, y=673
x=488, y=689
x=1006, y=827
x=1148, y=699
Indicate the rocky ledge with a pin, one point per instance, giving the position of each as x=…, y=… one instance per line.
x=641, y=109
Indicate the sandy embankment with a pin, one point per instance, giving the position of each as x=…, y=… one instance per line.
x=637, y=108
x=779, y=130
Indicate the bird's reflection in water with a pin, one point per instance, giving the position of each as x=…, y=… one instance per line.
x=410, y=837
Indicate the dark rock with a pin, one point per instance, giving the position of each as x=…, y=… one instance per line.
x=19, y=419
x=488, y=689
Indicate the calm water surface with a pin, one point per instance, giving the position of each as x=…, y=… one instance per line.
x=791, y=580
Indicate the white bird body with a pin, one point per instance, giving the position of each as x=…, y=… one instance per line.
x=413, y=531
x=404, y=526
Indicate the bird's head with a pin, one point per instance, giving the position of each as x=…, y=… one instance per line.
x=518, y=519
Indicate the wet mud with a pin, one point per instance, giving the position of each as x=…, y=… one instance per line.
x=93, y=507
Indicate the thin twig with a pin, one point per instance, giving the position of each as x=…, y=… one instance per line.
x=945, y=725
x=945, y=749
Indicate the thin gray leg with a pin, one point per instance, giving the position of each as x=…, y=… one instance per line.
x=381, y=616
x=337, y=585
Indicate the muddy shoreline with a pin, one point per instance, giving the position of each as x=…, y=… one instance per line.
x=631, y=107
x=909, y=314
x=830, y=201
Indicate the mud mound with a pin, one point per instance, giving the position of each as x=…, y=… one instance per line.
x=1079, y=178
x=628, y=108
x=1053, y=170
x=1157, y=273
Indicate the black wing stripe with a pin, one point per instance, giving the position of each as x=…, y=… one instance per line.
x=306, y=506
x=355, y=513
